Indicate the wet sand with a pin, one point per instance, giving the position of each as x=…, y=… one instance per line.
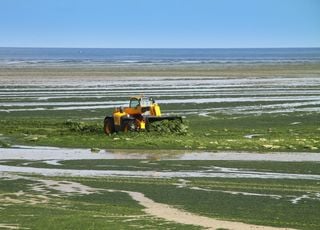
x=200, y=95
x=217, y=173
x=53, y=76
x=52, y=156
x=116, y=71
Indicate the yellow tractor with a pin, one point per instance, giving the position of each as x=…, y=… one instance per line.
x=142, y=111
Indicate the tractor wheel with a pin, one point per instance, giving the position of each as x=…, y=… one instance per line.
x=129, y=126
x=108, y=126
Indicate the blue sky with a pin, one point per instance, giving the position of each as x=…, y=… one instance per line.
x=160, y=23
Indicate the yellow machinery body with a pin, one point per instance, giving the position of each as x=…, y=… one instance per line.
x=137, y=116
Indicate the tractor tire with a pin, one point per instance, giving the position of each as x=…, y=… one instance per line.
x=108, y=127
x=129, y=126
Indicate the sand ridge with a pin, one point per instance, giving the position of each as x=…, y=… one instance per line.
x=156, y=209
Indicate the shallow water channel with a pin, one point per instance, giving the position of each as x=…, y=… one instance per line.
x=52, y=156
x=19, y=152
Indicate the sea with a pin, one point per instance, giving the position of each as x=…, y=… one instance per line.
x=146, y=56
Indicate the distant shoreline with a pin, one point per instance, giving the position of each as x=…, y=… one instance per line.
x=60, y=62
x=191, y=70
x=105, y=57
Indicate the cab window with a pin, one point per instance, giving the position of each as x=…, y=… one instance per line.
x=145, y=102
x=134, y=103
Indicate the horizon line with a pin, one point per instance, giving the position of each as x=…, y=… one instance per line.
x=64, y=47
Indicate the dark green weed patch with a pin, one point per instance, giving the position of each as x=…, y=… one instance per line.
x=269, y=132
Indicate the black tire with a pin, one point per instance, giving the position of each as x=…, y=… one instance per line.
x=147, y=125
x=129, y=126
x=108, y=127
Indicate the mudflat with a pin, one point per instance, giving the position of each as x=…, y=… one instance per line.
x=249, y=158
x=207, y=70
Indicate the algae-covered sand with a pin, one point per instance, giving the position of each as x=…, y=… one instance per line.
x=227, y=199
x=259, y=109
x=196, y=179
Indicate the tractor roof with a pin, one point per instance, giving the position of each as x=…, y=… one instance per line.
x=138, y=97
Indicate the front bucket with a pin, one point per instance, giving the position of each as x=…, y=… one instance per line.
x=151, y=119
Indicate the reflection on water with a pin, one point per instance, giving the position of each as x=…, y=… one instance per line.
x=52, y=153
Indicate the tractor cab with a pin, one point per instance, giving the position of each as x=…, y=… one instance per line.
x=140, y=105
x=140, y=102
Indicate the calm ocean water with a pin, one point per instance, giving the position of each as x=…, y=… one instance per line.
x=86, y=56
